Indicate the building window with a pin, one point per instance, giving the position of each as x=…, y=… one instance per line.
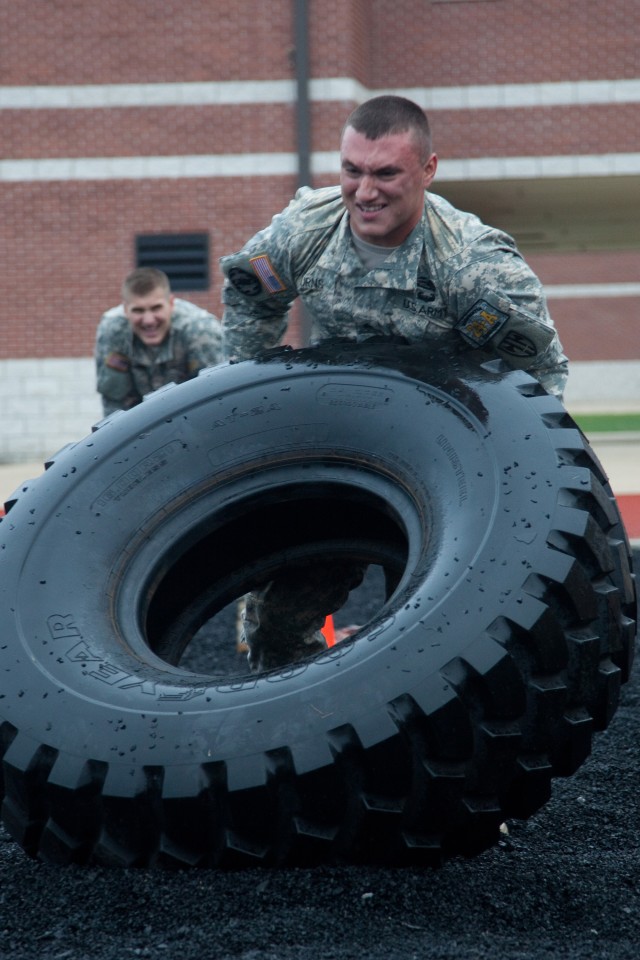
x=184, y=257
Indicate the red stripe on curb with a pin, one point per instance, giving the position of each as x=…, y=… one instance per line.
x=629, y=506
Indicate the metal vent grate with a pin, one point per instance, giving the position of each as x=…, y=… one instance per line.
x=184, y=257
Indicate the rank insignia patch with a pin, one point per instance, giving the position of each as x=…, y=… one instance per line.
x=426, y=289
x=268, y=277
x=481, y=322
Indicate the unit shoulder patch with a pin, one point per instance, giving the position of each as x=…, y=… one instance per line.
x=517, y=344
x=481, y=322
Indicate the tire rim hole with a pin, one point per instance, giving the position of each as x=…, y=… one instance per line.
x=214, y=649
x=190, y=617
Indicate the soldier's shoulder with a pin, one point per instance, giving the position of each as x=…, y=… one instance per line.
x=113, y=319
x=315, y=209
x=463, y=222
x=455, y=230
x=187, y=315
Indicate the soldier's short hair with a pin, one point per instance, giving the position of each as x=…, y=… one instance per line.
x=144, y=280
x=388, y=114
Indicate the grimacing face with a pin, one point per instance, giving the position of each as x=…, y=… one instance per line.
x=383, y=183
x=150, y=315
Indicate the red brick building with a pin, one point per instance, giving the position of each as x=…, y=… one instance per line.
x=121, y=120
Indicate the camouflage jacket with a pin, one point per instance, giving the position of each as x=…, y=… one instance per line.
x=452, y=272
x=127, y=369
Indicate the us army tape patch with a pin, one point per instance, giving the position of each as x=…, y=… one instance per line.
x=481, y=322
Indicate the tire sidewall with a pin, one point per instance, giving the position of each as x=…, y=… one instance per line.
x=465, y=454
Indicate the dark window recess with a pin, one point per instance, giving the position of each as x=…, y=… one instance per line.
x=184, y=257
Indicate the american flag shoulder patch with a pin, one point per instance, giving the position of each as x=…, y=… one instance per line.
x=268, y=276
x=117, y=361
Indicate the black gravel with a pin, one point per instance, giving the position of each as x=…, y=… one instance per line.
x=565, y=884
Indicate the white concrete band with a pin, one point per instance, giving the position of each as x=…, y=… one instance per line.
x=486, y=96
x=285, y=164
x=50, y=403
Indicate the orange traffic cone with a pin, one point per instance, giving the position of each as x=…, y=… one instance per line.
x=328, y=631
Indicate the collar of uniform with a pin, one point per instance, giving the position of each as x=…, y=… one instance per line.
x=400, y=270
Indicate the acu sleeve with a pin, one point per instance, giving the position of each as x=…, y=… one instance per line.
x=259, y=287
x=114, y=380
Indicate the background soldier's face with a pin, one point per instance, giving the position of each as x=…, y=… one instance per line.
x=150, y=316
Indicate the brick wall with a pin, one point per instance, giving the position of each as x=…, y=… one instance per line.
x=115, y=41
x=448, y=43
x=68, y=229
x=62, y=272
x=400, y=43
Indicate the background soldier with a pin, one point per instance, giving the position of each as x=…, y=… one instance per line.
x=151, y=339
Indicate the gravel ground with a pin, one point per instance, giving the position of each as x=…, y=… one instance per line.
x=565, y=884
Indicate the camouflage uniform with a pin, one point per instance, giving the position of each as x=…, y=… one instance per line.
x=452, y=272
x=282, y=621
x=127, y=369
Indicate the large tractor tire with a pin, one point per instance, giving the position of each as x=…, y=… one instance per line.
x=500, y=647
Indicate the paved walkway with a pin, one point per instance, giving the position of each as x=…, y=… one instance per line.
x=619, y=454
x=12, y=475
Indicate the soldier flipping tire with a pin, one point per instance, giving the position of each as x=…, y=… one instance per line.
x=500, y=647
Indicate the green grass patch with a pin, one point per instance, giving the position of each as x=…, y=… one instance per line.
x=607, y=422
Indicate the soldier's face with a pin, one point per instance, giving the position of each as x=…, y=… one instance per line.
x=383, y=183
x=150, y=316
